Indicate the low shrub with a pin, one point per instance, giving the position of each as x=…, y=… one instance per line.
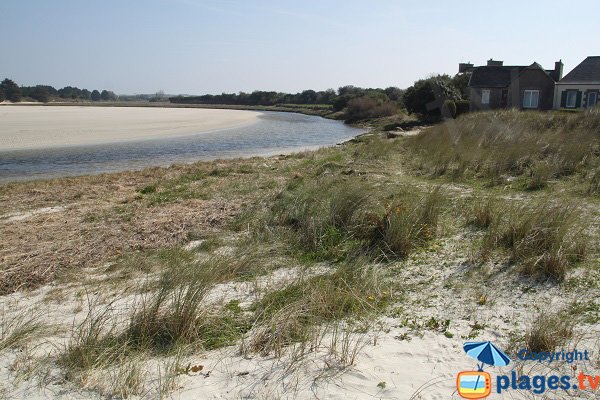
x=408, y=224
x=462, y=107
x=365, y=107
x=449, y=109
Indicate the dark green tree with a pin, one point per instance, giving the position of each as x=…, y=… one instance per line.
x=1, y=96
x=427, y=96
x=95, y=96
x=40, y=93
x=461, y=82
x=11, y=90
x=104, y=95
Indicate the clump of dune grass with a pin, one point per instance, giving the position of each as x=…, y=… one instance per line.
x=544, y=240
x=341, y=217
x=408, y=224
x=294, y=313
x=171, y=316
x=482, y=212
x=16, y=331
x=549, y=331
x=491, y=145
x=594, y=183
x=324, y=218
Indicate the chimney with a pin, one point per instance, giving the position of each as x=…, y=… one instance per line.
x=493, y=63
x=558, y=71
x=465, y=67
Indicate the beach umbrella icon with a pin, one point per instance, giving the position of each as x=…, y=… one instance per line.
x=486, y=353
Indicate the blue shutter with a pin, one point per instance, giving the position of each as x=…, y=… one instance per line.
x=578, y=102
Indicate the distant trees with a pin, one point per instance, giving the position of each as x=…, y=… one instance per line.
x=9, y=90
x=74, y=93
x=12, y=91
x=41, y=94
x=260, y=98
x=95, y=96
x=107, y=95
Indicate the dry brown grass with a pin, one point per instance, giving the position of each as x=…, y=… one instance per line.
x=106, y=216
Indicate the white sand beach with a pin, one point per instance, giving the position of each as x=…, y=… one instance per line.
x=42, y=127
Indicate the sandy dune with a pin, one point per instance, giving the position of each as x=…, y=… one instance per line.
x=43, y=127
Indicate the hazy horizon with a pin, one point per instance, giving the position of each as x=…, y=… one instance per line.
x=206, y=46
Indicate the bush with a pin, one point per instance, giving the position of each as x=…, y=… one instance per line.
x=422, y=97
x=462, y=107
x=449, y=109
x=366, y=107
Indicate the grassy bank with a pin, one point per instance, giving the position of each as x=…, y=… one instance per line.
x=307, y=260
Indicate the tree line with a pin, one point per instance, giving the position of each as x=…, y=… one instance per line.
x=10, y=91
x=433, y=97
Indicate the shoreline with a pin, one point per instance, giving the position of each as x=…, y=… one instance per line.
x=136, y=164
x=329, y=114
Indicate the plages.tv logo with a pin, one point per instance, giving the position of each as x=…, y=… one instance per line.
x=478, y=384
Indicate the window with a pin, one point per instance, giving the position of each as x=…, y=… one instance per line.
x=531, y=98
x=571, y=99
x=485, y=96
x=592, y=99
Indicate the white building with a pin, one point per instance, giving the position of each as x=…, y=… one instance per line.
x=580, y=88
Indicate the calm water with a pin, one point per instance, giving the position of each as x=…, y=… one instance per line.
x=274, y=133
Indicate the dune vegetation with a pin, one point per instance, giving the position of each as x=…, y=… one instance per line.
x=283, y=270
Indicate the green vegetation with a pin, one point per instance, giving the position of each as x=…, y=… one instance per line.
x=353, y=291
x=335, y=218
x=318, y=253
x=496, y=146
x=549, y=331
x=9, y=90
x=544, y=240
x=421, y=98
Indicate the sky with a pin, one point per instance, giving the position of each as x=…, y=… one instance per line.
x=214, y=46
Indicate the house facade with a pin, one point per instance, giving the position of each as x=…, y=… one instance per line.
x=495, y=86
x=580, y=88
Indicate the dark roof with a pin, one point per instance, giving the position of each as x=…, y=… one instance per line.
x=494, y=76
x=587, y=71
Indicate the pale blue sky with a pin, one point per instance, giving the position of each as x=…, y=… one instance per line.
x=213, y=46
